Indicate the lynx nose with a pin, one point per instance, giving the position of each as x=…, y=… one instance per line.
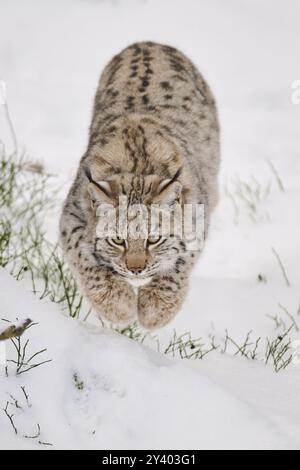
x=136, y=263
x=136, y=270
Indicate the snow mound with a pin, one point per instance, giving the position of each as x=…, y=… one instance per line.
x=102, y=390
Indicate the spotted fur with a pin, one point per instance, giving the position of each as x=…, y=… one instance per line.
x=154, y=121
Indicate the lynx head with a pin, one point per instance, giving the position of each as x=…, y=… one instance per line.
x=135, y=228
x=138, y=175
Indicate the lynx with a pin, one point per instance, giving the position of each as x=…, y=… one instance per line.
x=154, y=139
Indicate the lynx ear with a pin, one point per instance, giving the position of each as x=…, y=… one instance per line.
x=99, y=191
x=169, y=190
x=170, y=194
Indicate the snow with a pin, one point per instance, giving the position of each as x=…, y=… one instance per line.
x=132, y=397
x=51, y=54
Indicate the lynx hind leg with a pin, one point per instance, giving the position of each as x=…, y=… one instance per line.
x=112, y=298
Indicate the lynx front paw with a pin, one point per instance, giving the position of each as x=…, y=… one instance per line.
x=157, y=305
x=115, y=301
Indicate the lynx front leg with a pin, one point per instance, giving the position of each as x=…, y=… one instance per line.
x=112, y=298
x=160, y=300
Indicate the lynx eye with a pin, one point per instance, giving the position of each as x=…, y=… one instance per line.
x=154, y=240
x=117, y=241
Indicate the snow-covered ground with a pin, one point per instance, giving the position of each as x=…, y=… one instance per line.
x=51, y=54
x=133, y=397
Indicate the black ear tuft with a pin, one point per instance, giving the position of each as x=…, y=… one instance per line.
x=177, y=174
x=87, y=172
